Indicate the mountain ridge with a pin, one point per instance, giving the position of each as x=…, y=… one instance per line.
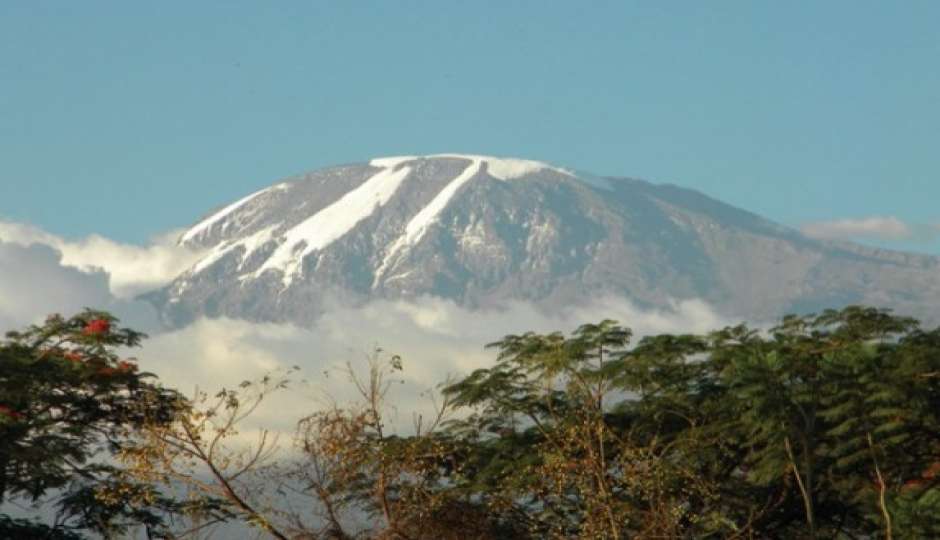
x=480, y=230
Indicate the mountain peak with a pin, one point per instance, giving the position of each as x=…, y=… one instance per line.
x=497, y=167
x=333, y=219
x=482, y=230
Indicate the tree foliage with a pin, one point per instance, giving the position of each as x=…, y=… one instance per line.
x=822, y=426
x=67, y=401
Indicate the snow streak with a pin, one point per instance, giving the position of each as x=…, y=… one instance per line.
x=427, y=216
x=207, y=223
x=331, y=223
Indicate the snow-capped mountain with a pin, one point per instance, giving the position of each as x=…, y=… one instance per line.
x=483, y=230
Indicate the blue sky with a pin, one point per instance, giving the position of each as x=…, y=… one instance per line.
x=129, y=119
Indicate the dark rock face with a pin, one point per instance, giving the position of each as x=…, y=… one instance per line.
x=483, y=230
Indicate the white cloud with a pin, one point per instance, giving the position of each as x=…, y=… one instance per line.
x=436, y=339
x=35, y=283
x=875, y=227
x=130, y=269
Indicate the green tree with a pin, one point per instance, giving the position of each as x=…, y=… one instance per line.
x=823, y=426
x=67, y=399
x=563, y=440
x=830, y=420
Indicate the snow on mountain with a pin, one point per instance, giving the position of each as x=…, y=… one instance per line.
x=330, y=224
x=333, y=222
x=482, y=230
x=216, y=217
x=426, y=216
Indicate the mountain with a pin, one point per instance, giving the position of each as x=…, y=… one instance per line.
x=482, y=230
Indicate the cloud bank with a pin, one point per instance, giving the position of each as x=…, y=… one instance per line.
x=436, y=339
x=130, y=269
x=874, y=227
x=877, y=227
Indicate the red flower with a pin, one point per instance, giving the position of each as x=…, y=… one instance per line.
x=126, y=366
x=73, y=356
x=97, y=326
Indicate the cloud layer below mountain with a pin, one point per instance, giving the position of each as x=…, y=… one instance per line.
x=436, y=339
x=882, y=228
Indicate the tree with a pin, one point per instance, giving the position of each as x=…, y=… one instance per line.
x=193, y=453
x=346, y=466
x=561, y=439
x=831, y=418
x=823, y=426
x=352, y=462
x=67, y=399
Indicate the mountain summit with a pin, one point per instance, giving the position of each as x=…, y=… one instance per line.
x=483, y=230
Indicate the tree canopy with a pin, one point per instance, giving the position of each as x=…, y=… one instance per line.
x=822, y=426
x=67, y=401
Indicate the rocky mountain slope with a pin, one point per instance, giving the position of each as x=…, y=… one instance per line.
x=482, y=230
